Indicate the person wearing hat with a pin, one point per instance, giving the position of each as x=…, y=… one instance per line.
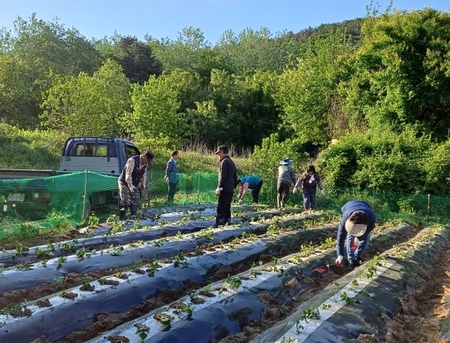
x=249, y=182
x=227, y=182
x=286, y=178
x=132, y=178
x=353, y=236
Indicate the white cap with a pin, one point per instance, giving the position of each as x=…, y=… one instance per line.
x=356, y=230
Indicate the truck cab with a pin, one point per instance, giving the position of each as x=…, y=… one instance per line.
x=100, y=154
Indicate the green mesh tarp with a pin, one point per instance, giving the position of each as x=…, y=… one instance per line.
x=75, y=196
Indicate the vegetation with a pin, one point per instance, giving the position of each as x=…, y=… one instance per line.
x=365, y=100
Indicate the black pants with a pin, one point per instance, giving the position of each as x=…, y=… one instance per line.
x=224, y=208
x=172, y=188
x=282, y=193
x=255, y=192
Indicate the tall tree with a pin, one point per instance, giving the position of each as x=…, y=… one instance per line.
x=135, y=57
x=308, y=93
x=402, y=72
x=88, y=105
x=155, y=111
x=37, y=50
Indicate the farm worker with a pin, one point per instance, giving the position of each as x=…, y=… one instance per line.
x=171, y=176
x=308, y=183
x=132, y=177
x=249, y=182
x=227, y=182
x=358, y=221
x=286, y=178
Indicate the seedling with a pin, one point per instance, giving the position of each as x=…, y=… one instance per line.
x=141, y=331
x=298, y=327
x=206, y=233
x=81, y=253
x=348, y=300
x=234, y=282
x=41, y=253
x=61, y=260
x=309, y=313
x=93, y=220
x=189, y=311
x=325, y=306
x=179, y=235
x=164, y=318
x=22, y=249
x=307, y=250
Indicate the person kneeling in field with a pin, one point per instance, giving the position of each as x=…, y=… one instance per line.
x=353, y=236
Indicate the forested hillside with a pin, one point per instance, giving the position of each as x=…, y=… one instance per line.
x=373, y=94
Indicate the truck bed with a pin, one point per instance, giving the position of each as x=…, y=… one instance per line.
x=25, y=173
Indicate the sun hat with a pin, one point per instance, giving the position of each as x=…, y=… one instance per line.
x=354, y=229
x=286, y=161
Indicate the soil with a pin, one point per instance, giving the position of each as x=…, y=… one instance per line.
x=426, y=311
x=419, y=320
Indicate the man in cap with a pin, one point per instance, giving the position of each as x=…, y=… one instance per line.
x=226, y=184
x=132, y=178
x=353, y=236
x=286, y=179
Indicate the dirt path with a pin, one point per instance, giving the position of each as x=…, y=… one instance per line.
x=426, y=311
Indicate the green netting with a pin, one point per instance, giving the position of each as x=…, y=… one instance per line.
x=69, y=194
x=71, y=198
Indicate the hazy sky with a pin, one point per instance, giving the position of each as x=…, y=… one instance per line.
x=166, y=18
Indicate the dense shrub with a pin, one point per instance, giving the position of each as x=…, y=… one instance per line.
x=379, y=160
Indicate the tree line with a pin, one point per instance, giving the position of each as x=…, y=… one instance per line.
x=371, y=94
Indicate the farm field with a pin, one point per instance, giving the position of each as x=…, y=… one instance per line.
x=268, y=277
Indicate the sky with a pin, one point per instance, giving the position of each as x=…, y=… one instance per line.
x=167, y=18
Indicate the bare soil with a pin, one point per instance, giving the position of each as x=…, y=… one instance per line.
x=426, y=311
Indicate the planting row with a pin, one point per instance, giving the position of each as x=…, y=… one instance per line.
x=74, y=309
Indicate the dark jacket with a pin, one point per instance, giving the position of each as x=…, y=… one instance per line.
x=347, y=210
x=305, y=181
x=172, y=171
x=137, y=173
x=227, y=175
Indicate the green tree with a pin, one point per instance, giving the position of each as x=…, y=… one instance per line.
x=309, y=92
x=88, y=105
x=135, y=57
x=33, y=53
x=401, y=71
x=155, y=111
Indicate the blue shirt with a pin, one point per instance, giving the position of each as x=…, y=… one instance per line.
x=252, y=181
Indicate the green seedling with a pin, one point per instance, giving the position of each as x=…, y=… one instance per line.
x=309, y=313
x=348, y=300
x=326, y=306
x=189, y=311
x=93, y=220
x=41, y=253
x=234, y=282
x=141, y=331
x=22, y=249
x=206, y=233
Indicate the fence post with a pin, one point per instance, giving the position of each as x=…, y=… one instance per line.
x=198, y=188
x=86, y=175
x=428, y=207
